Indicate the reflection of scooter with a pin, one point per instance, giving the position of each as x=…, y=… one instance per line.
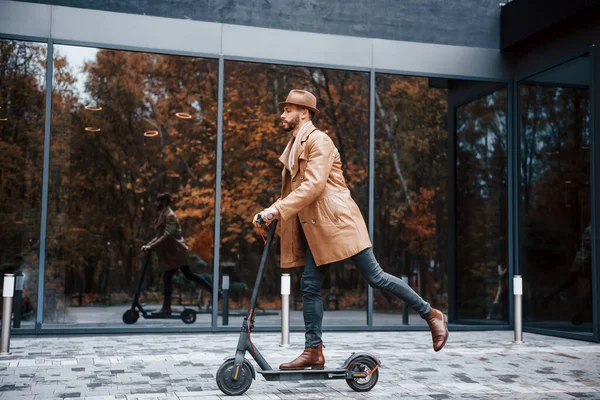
x=131, y=316
x=234, y=377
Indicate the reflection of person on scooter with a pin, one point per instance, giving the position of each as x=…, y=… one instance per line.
x=321, y=224
x=500, y=304
x=171, y=250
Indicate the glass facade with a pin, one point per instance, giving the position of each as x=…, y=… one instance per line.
x=126, y=126
x=411, y=224
x=417, y=120
x=555, y=197
x=22, y=110
x=482, y=276
x=252, y=143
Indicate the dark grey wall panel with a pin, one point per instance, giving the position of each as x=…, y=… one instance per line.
x=521, y=19
x=558, y=43
x=457, y=22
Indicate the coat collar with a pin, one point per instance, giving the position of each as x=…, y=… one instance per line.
x=301, y=155
x=162, y=217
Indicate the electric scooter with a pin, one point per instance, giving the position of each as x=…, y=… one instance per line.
x=131, y=316
x=235, y=375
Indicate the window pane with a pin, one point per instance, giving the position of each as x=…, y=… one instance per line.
x=482, y=209
x=22, y=108
x=554, y=167
x=252, y=143
x=410, y=190
x=127, y=126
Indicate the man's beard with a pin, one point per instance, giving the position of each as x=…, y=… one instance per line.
x=291, y=125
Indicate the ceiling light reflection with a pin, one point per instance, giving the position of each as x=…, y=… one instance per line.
x=150, y=133
x=90, y=108
x=183, y=115
x=92, y=129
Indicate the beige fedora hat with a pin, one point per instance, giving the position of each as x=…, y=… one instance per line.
x=301, y=98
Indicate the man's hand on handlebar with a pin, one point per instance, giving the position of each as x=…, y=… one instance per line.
x=265, y=216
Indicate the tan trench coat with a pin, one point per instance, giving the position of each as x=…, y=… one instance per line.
x=168, y=244
x=315, y=198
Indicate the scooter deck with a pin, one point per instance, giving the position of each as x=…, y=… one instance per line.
x=172, y=316
x=303, y=374
x=147, y=314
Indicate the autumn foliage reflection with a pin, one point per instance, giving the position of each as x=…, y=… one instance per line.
x=252, y=143
x=106, y=168
x=22, y=108
x=410, y=186
x=127, y=125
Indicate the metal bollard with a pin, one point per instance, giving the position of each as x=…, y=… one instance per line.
x=285, y=309
x=17, y=303
x=404, y=305
x=7, y=293
x=518, y=297
x=225, y=299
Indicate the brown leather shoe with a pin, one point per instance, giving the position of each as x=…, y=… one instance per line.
x=438, y=325
x=164, y=311
x=310, y=357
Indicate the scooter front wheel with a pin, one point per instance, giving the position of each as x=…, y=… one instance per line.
x=225, y=378
x=366, y=371
x=130, y=317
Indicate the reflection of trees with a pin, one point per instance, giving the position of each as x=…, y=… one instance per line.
x=389, y=134
x=410, y=209
x=555, y=196
x=481, y=210
x=22, y=99
x=253, y=142
x=554, y=135
x=103, y=182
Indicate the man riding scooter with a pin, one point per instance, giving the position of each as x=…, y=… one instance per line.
x=321, y=224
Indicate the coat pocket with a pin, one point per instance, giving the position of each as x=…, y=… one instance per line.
x=335, y=209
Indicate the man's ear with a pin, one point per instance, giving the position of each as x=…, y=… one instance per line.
x=305, y=114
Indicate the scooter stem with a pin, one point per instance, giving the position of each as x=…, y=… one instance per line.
x=136, y=298
x=261, y=269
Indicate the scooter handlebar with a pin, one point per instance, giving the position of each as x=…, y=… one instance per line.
x=261, y=220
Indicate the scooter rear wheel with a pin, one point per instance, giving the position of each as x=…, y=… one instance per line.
x=188, y=316
x=225, y=379
x=131, y=317
x=364, y=365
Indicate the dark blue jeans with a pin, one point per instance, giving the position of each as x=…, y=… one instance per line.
x=189, y=275
x=365, y=262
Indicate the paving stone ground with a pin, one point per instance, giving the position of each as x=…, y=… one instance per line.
x=473, y=365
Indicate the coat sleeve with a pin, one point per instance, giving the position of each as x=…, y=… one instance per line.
x=321, y=155
x=150, y=243
x=170, y=230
